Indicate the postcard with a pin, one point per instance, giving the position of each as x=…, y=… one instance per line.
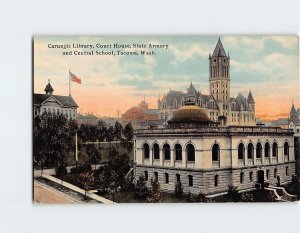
x=166, y=119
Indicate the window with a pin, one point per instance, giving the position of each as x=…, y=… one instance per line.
x=178, y=152
x=250, y=151
x=215, y=152
x=146, y=151
x=251, y=176
x=73, y=113
x=275, y=173
x=286, y=148
x=267, y=150
x=241, y=151
x=258, y=150
x=242, y=177
x=216, y=180
x=166, y=149
x=275, y=150
x=190, y=153
x=287, y=171
x=167, y=178
x=57, y=111
x=178, y=178
x=156, y=176
x=156, y=151
x=146, y=175
x=190, y=181
x=44, y=110
x=267, y=174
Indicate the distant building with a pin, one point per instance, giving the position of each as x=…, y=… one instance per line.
x=54, y=104
x=291, y=122
x=218, y=103
x=88, y=119
x=141, y=115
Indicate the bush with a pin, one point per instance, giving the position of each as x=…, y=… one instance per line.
x=80, y=169
x=141, y=190
x=233, y=195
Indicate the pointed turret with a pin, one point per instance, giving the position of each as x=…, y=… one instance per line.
x=293, y=111
x=250, y=98
x=49, y=89
x=219, y=50
x=191, y=91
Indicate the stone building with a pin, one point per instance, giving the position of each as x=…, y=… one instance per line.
x=54, y=104
x=206, y=157
x=218, y=103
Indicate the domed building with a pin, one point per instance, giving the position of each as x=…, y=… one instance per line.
x=206, y=156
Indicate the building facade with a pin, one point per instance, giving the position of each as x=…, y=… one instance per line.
x=54, y=104
x=237, y=110
x=205, y=157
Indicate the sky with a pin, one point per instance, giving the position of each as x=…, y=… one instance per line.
x=266, y=65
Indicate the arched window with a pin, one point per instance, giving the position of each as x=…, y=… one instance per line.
x=287, y=171
x=275, y=149
x=216, y=180
x=250, y=151
x=258, y=150
x=146, y=151
x=178, y=152
x=156, y=151
x=286, y=149
x=190, y=180
x=166, y=149
x=267, y=150
x=215, y=152
x=241, y=151
x=190, y=149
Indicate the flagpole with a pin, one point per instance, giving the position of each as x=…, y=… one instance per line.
x=76, y=149
x=69, y=84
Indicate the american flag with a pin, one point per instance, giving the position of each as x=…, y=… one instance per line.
x=74, y=78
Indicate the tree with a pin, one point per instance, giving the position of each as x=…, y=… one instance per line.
x=87, y=180
x=53, y=139
x=233, y=195
x=112, y=177
x=155, y=193
x=118, y=132
x=110, y=135
x=141, y=190
x=127, y=140
x=93, y=153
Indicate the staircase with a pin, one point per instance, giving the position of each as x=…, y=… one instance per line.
x=280, y=194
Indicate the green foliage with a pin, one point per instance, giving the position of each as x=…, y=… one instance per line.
x=112, y=177
x=141, y=190
x=87, y=180
x=53, y=139
x=127, y=139
x=155, y=195
x=233, y=195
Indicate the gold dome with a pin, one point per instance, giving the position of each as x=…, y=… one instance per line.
x=190, y=113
